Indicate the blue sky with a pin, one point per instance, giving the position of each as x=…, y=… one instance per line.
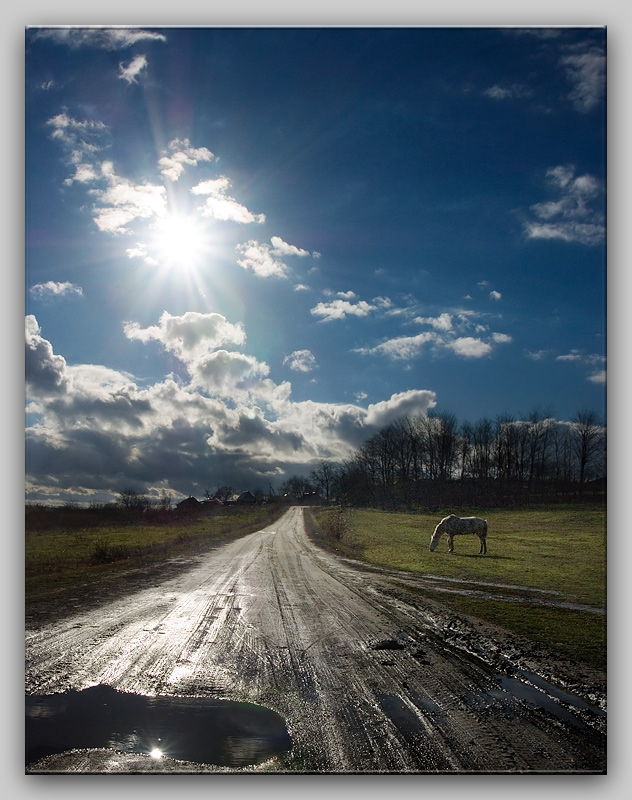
x=248, y=249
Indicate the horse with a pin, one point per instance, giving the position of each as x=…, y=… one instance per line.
x=453, y=526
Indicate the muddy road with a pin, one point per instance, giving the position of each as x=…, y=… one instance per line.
x=366, y=673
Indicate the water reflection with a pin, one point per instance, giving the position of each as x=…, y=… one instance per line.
x=198, y=729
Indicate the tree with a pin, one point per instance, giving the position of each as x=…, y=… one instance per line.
x=587, y=442
x=324, y=478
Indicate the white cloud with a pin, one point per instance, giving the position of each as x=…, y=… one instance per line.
x=595, y=361
x=400, y=348
x=54, y=289
x=130, y=71
x=469, y=347
x=180, y=152
x=221, y=206
x=97, y=430
x=281, y=248
x=494, y=295
x=301, y=360
x=122, y=202
x=442, y=323
x=339, y=309
x=577, y=215
x=81, y=140
x=501, y=338
x=302, y=287
x=105, y=38
x=587, y=71
x=190, y=336
x=259, y=258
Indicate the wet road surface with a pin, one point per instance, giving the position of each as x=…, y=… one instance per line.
x=362, y=675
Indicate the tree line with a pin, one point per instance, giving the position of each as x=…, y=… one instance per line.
x=434, y=460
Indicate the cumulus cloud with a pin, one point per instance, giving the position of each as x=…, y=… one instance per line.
x=494, y=295
x=301, y=360
x=339, y=309
x=469, y=347
x=97, y=430
x=575, y=215
x=179, y=153
x=265, y=259
x=442, y=323
x=448, y=334
x=130, y=71
x=45, y=371
x=54, y=289
x=190, y=336
x=222, y=206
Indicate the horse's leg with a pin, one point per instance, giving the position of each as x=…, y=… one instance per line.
x=483, y=549
x=450, y=543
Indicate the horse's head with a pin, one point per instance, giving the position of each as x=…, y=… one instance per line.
x=436, y=536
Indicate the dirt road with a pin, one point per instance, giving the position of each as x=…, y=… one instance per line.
x=367, y=675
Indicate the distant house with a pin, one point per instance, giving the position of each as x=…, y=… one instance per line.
x=212, y=504
x=189, y=504
x=246, y=499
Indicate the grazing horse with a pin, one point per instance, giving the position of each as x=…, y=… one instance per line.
x=456, y=526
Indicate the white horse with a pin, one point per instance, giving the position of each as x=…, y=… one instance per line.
x=456, y=526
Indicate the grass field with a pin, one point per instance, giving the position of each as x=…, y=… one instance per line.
x=62, y=555
x=558, y=549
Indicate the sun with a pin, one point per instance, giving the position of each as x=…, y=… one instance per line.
x=179, y=241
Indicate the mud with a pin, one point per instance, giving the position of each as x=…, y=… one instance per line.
x=367, y=674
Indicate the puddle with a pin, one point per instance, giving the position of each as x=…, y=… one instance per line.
x=198, y=729
x=401, y=715
x=565, y=697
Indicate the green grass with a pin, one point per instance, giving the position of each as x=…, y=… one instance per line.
x=60, y=557
x=557, y=549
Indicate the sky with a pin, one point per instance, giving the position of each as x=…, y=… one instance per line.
x=251, y=248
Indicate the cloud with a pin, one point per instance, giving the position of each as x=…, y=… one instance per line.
x=339, y=309
x=442, y=323
x=587, y=72
x=122, y=201
x=105, y=38
x=189, y=336
x=301, y=360
x=469, y=347
x=259, y=258
x=576, y=215
x=494, y=295
x=54, y=289
x=515, y=91
x=80, y=139
x=221, y=206
x=45, y=371
x=130, y=71
x=97, y=430
x=180, y=152
x=595, y=361
x=447, y=334
x=400, y=348
x=281, y=248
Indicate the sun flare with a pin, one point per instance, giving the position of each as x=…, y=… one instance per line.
x=179, y=241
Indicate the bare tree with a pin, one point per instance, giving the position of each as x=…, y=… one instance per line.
x=587, y=441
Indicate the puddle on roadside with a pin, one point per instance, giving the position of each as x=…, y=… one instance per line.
x=199, y=729
x=539, y=695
